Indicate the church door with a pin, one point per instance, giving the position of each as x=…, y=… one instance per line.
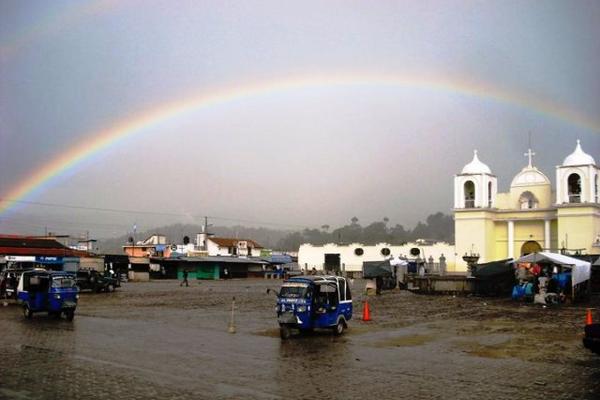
x=530, y=247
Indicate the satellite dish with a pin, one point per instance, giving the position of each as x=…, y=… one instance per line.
x=186, y=240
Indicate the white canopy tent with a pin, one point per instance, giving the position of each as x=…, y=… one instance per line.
x=580, y=270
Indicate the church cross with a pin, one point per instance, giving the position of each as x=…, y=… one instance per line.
x=530, y=154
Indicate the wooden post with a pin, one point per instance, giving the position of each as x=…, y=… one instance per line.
x=231, y=328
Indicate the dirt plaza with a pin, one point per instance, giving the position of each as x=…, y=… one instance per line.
x=160, y=340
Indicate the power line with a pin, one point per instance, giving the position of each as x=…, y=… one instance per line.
x=115, y=210
x=144, y=212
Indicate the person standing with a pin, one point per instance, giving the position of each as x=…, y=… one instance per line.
x=185, y=278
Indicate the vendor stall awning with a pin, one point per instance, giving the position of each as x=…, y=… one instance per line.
x=581, y=270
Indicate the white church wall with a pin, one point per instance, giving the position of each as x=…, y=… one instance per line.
x=310, y=256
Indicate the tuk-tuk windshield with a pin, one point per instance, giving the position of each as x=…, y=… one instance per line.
x=293, y=290
x=62, y=282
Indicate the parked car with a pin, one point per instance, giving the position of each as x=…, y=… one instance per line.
x=54, y=292
x=308, y=302
x=90, y=279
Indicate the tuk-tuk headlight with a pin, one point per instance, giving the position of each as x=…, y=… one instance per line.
x=57, y=296
x=301, y=308
x=77, y=296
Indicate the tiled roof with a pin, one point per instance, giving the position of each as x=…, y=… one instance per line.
x=27, y=245
x=230, y=242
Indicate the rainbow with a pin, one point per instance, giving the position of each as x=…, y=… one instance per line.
x=101, y=140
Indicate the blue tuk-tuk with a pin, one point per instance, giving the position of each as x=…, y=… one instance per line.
x=308, y=302
x=54, y=292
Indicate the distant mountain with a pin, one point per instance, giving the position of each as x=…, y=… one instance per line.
x=267, y=237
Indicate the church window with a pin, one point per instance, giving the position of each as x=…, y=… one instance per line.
x=359, y=251
x=596, y=190
x=574, y=187
x=528, y=201
x=490, y=194
x=385, y=252
x=469, y=194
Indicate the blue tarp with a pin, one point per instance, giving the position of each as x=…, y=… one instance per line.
x=279, y=259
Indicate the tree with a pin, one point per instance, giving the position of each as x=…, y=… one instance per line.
x=399, y=234
x=354, y=221
x=325, y=227
x=375, y=233
x=421, y=231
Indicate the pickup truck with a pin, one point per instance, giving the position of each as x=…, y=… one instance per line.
x=89, y=279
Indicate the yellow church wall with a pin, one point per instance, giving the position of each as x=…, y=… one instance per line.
x=528, y=231
x=578, y=226
x=554, y=236
x=524, y=231
x=501, y=240
x=542, y=192
x=502, y=200
x=474, y=230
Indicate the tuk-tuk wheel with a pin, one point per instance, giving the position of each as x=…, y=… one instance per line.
x=27, y=312
x=285, y=332
x=110, y=288
x=339, y=328
x=70, y=315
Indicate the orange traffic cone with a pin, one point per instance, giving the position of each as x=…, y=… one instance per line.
x=588, y=318
x=366, y=312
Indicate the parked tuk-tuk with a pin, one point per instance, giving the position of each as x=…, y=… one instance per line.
x=308, y=302
x=9, y=280
x=54, y=292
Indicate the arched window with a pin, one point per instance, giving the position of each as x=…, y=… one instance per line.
x=574, y=187
x=596, y=190
x=490, y=194
x=469, y=194
x=528, y=201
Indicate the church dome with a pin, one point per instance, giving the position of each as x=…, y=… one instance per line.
x=578, y=157
x=476, y=166
x=530, y=176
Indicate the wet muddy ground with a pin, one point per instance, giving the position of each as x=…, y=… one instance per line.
x=159, y=340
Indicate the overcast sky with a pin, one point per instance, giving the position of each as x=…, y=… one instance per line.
x=300, y=157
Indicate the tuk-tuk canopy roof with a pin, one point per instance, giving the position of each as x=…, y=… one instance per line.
x=581, y=270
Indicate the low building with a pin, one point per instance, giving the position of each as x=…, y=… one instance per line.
x=30, y=252
x=215, y=267
x=153, y=246
x=349, y=258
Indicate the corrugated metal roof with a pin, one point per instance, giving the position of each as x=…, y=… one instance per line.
x=228, y=260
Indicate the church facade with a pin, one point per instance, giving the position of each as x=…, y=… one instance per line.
x=531, y=216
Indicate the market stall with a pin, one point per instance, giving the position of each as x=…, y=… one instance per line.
x=551, y=277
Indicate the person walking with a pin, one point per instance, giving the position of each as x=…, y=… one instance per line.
x=185, y=278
